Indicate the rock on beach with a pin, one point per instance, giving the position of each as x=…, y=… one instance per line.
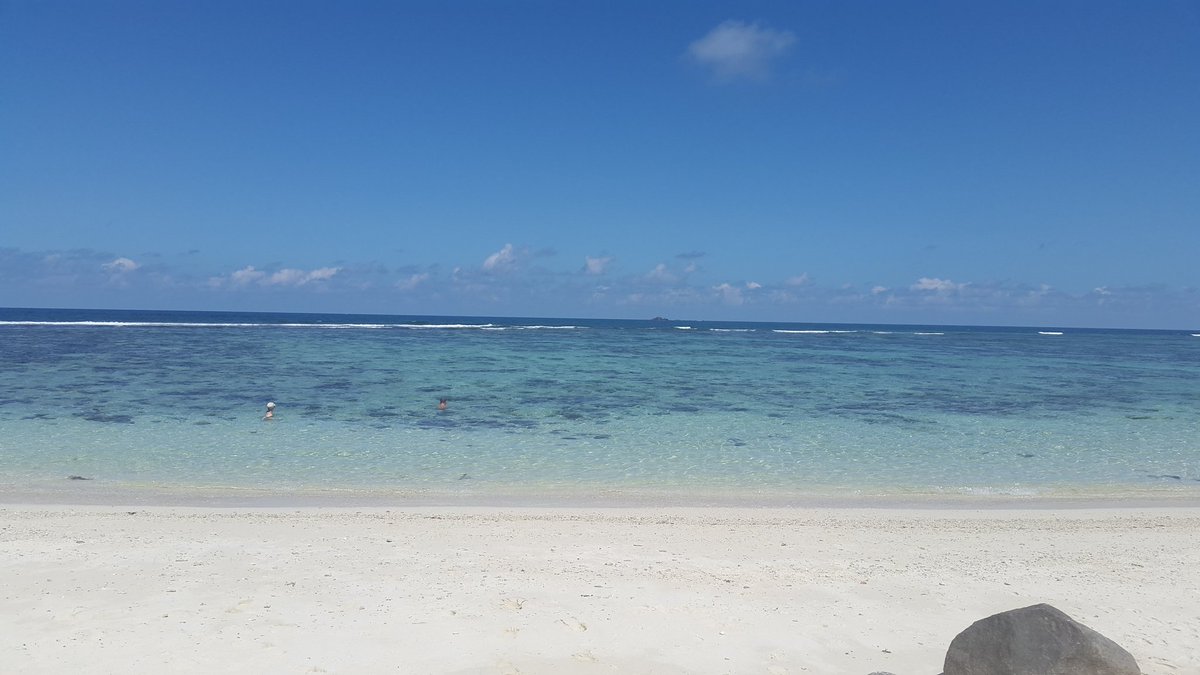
x=1035, y=640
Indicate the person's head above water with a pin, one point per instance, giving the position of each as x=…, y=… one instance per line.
x=442, y=404
x=270, y=405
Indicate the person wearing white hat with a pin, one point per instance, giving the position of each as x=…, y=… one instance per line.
x=270, y=411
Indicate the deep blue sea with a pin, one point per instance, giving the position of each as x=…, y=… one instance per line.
x=171, y=403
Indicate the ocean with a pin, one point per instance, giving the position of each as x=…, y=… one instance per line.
x=167, y=406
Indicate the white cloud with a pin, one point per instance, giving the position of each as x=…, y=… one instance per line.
x=596, y=265
x=730, y=294
x=736, y=49
x=322, y=274
x=661, y=274
x=284, y=277
x=120, y=266
x=412, y=282
x=937, y=285
x=246, y=275
x=294, y=277
x=665, y=290
x=502, y=259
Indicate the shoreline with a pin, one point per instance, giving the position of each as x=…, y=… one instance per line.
x=636, y=513
x=492, y=589
x=88, y=492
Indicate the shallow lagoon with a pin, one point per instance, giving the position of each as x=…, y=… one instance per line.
x=173, y=402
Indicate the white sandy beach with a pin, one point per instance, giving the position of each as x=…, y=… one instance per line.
x=532, y=590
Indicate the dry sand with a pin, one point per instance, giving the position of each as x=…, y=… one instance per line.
x=512, y=590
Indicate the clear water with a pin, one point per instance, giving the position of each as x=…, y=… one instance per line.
x=173, y=401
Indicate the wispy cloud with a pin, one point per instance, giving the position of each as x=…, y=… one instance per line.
x=294, y=277
x=739, y=50
x=81, y=276
x=120, y=266
x=660, y=274
x=413, y=281
x=730, y=294
x=501, y=260
x=937, y=285
x=284, y=277
x=85, y=270
x=596, y=266
x=736, y=295
x=244, y=276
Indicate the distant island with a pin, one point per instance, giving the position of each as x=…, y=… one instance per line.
x=660, y=318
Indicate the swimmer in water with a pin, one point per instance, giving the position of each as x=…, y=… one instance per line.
x=442, y=404
x=270, y=411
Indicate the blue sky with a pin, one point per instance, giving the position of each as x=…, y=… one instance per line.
x=928, y=162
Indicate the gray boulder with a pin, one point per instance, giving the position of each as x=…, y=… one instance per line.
x=1037, y=640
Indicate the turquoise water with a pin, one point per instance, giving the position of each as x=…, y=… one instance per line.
x=172, y=402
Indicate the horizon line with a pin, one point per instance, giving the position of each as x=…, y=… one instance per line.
x=581, y=318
